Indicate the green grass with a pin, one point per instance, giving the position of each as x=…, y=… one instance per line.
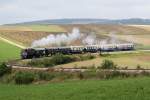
x=43, y=28
x=127, y=89
x=8, y=52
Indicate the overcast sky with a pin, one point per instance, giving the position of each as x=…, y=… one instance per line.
x=12, y=11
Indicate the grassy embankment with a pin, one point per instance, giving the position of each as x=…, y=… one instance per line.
x=130, y=60
x=116, y=89
x=8, y=52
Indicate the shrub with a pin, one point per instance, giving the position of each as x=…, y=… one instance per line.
x=86, y=57
x=61, y=59
x=4, y=69
x=24, y=77
x=54, y=60
x=111, y=74
x=108, y=64
x=138, y=67
x=35, y=62
x=45, y=76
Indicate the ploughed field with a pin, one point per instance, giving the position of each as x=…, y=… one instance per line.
x=115, y=89
x=26, y=34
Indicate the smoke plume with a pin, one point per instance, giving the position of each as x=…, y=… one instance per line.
x=75, y=36
x=65, y=39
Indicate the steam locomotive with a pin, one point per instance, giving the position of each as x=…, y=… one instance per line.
x=30, y=53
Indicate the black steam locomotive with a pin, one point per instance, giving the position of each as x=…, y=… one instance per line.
x=30, y=53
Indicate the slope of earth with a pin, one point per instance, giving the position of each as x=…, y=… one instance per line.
x=8, y=51
x=129, y=60
x=115, y=89
x=27, y=34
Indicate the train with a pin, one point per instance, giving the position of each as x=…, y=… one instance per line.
x=30, y=53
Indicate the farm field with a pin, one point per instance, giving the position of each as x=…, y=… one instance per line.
x=146, y=27
x=8, y=52
x=122, y=60
x=42, y=28
x=27, y=34
x=114, y=89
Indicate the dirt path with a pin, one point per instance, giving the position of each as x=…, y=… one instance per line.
x=80, y=69
x=12, y=43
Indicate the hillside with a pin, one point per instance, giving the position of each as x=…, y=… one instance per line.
x=26, y=34
x=133, y=21
x=8, y=52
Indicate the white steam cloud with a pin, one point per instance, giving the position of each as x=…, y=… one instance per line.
x=75, y=35
x=63, y=38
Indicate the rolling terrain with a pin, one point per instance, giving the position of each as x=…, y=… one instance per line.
x=25, y=34
x=129, y=60
x=131, y=21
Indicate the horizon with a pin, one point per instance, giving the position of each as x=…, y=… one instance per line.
x=74, y=19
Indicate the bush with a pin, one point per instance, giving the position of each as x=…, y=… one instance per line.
x=112, y=74
x=45, y=76
x=54, y=60
x=138, y=67
x=108, y=64
x=24, y=77
x=86, y=57
x=61, y=59
x=35, y=62
x=4, y=69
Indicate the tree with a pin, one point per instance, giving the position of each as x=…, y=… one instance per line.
x=4, y=69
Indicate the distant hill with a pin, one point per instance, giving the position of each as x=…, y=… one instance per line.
x=132, y=21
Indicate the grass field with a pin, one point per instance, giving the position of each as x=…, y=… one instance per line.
x=115, y=89
x=122, y=60
x=43, y=28
x=8, y=51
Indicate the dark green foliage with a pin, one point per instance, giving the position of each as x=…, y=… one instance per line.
x=108, y=64
x=58, y=59
x=35, y=62
x=24, y=77
x=45, y=76
x=54, y=60
x=112, y=74
x=4, y=69
x=138, y=67
x=61, y=59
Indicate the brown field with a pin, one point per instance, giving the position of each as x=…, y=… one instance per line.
x=38, y=28
x=145, y=27
x=25, y=35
